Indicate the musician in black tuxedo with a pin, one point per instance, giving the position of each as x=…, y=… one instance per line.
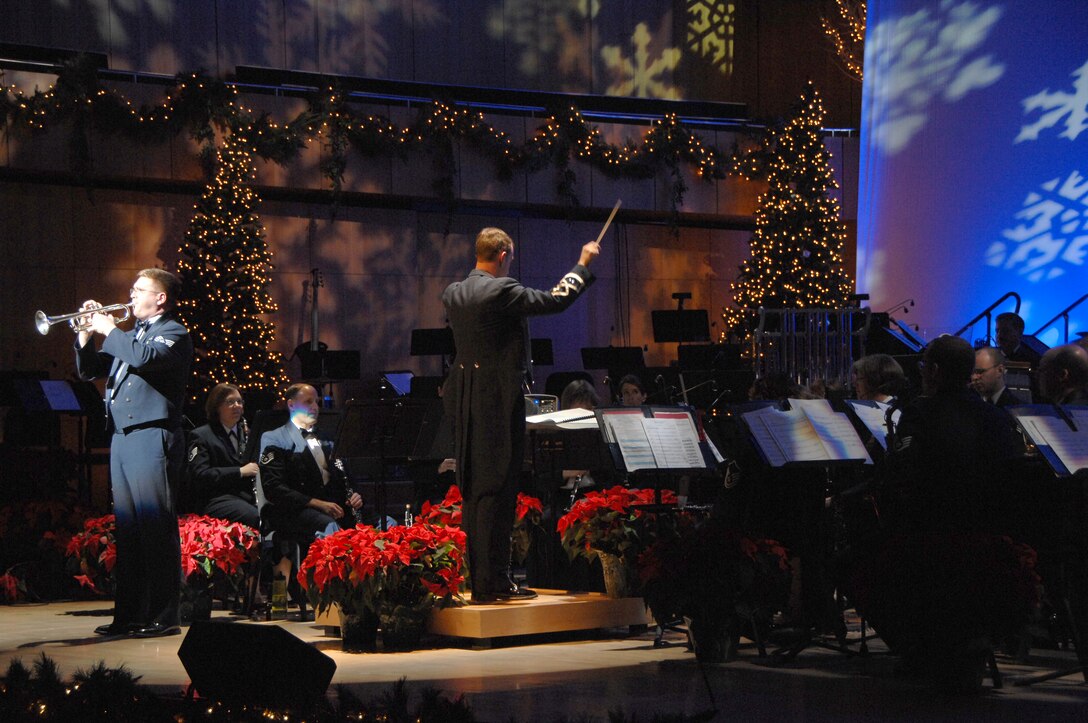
x=220, y=479
x=988, y=378
x=307, y=493
x=484, y=396
x=147, y=370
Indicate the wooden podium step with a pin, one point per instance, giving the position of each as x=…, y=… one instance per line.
x=553, y=611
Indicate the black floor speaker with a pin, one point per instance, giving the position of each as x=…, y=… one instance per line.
x=243, y=663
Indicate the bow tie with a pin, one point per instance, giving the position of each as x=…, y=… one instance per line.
x=141, y=325
x=308, y=434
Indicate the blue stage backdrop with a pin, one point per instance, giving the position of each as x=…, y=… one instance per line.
x=974, y=160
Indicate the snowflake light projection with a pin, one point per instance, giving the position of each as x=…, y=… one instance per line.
x=710, y=32
x=1053, y=238
x=540, y=32
x=914, y=61
x=640, y=76
x=1057, y=105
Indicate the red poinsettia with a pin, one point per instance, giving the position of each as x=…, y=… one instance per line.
x=95, y=550
x=209, y=544
x=418, y=567
x=447, y=512
x=608, y=521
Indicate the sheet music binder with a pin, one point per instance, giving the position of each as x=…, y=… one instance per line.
x=653, y=438
x=871, y=416
x=1060, y=434
x=809, y=432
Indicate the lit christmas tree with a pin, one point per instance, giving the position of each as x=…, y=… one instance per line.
x=796, y=260
x=224, y=270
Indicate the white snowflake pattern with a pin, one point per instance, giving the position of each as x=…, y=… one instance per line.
x=913, y=61
x=1058, y=105
x=534, y=30
x=1053, y=235
x=710, y=32
x=640, y=76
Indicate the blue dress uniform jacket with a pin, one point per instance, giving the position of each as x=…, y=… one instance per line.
x=144, y=397
x=215, y=481
x=484, y=397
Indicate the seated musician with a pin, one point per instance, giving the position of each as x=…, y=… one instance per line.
x=308, y=495
x=949, y=447
x=988, y=378
x=220, y=479
x=878, y=378
x=632, y=392
x=1063, y=375
x=579, y=394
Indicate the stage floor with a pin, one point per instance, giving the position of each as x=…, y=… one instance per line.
x=580, y=678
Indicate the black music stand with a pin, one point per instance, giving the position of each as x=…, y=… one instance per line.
x=617, y=360
x=680, y=325
x=384, y=433
x=434, y=342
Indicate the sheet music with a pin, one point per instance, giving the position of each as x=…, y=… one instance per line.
x=1070, y=447
x=873, y=417
x=809, y=432
x=1079, y=415
x=630, y=435
x=674, y=441
x=564, y=419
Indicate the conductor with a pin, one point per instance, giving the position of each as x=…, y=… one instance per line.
x=488, y=313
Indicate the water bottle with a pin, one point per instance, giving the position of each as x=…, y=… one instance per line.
x=408, y=519
x=279, y=597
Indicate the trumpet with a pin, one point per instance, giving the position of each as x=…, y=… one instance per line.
x=44, y=323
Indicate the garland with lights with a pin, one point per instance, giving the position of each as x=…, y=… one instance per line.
x=797, y=247
x=224, y=270
x=847, y=34
x=201, y=105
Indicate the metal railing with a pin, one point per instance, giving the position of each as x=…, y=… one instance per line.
x=1064, y=315
x=987, y=313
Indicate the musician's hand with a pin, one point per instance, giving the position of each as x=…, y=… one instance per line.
x=88, y=306
x=589, y=252
x=448, y=465
x=331, y=509
x=355, y=501
x=249, y=470
x=103, y=323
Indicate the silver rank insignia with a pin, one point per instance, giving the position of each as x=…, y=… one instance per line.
x=193, y=453
x=267, y=457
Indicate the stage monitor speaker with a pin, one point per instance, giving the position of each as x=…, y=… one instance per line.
x=243, y=663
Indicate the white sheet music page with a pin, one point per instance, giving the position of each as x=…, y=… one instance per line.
x=1070, y=447
x=564, y=419
x=630, y=435
x=785, y=436
x=673, y=440
x=834, y=429
x=873, y=417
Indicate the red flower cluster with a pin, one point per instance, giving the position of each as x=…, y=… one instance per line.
x=417, y=566
x=209, y=544
x=607, y=521
x=96, y=550
x=527, y=505
x=446, y=513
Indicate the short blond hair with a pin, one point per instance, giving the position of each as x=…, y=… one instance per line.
x=168, y=282
x=491, y=242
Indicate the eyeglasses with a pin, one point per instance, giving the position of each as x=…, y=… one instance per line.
x=233, y=402
x=134, y=290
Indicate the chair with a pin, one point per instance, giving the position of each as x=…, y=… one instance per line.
x=268, y=543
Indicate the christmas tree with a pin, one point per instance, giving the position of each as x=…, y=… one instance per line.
x=797, y=247
x=224, y=270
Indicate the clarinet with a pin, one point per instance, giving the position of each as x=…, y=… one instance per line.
x=355, y=512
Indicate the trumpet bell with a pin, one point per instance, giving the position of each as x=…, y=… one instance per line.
x=43, y=323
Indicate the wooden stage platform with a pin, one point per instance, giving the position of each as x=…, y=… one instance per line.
x=553, y=611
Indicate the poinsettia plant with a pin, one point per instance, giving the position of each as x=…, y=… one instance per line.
x=609, y=521
x=94, y=552
x=446, y=513
x=529, y=514
x=403, y=569
x=210, y=545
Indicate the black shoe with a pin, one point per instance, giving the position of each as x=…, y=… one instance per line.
x=113, y=630
x=157, y=630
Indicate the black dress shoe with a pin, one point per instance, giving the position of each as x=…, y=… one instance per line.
x=157, y=630
x=113, y=629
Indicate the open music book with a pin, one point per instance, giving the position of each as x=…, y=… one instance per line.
x=563, y=419
x=810, y=431
x=1059, y=433
x=652, y=437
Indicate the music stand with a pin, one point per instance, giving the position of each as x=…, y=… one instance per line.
x=617, y=360
x=385, y=433
x=540, y=350
x=680, y=325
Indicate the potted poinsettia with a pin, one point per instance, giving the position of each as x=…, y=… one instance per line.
x=529, y=514
x=94, y=553
x=391, y=578
x=212, y=550
x=611, y=525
